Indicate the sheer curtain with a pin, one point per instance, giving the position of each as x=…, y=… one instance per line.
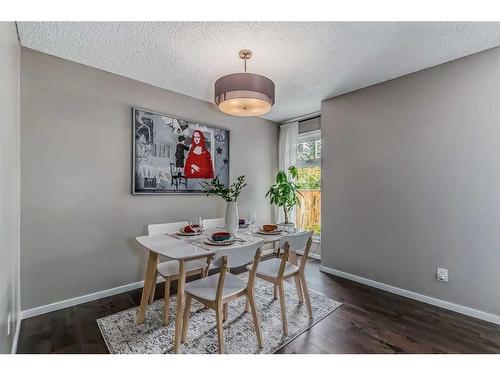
x=287, y=157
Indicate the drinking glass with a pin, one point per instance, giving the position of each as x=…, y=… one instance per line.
x=248, y=226
x=252, y=219
x=196, y=224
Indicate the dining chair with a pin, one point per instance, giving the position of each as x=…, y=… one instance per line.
x=169, y=269
x=214, y=224
x=217, y=290
x=277, y=270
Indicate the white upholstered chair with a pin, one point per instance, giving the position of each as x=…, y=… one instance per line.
x=169, y=269
x=215, y=291
x=214, y=224
x=277, y=270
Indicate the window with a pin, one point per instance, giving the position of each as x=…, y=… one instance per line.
x=308, y=214
x=309, y=150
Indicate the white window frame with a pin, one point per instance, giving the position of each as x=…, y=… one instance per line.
x=305, y=137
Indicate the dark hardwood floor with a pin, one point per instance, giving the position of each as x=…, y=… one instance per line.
x=369, y=321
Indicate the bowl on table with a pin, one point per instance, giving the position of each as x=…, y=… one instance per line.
x=189, y=228
x=188, y=231
x=269, y=227
x=220, y=236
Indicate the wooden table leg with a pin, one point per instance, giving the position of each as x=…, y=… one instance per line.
x=148, y=284
x=180, y=305
x=153, y=288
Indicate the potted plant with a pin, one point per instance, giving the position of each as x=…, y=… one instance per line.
x=230, y=194
x=285, y=192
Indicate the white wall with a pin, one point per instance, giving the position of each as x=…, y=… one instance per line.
x=9, y=182
x=79, y=218
x=411, y=181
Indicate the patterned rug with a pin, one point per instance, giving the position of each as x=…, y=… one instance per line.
x=123, y=336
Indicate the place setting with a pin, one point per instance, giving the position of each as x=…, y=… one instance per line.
x=194, y=229
x=195, y=234
x=221, y=239
x=269, y=229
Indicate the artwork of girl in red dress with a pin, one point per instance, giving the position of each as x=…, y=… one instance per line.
x=199, y=161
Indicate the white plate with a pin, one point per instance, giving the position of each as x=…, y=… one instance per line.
x=210, y=242
x=180, y=232
x=277, y=231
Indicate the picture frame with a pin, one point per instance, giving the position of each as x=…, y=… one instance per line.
x=172, y=154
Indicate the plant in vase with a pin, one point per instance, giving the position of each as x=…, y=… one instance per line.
x=285, y=192
x=230, y=194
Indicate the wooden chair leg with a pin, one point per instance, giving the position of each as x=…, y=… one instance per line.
x=275, y=291
x=166, y=301
x=256, y=318
x=225, y=312
x=293, y=259
x=298, y=286
x=187, y=314
x=247, y=305
x=206, y=269
x=306, y=295
x=281, y=290
x=220, y=329
x=153, y=288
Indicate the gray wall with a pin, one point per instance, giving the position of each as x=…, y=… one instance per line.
x=411, y=181
x=9, y=181
x=79, y=218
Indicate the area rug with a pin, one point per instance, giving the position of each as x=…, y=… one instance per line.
x=123, y=336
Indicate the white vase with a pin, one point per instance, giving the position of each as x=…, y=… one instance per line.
x=289, y=228
x=232, y=218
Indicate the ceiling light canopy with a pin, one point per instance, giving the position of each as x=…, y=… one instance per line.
x=244, y=94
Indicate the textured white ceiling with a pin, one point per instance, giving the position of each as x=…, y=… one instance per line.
x=308, y=61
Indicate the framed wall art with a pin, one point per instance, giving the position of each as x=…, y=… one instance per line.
x=173, y=155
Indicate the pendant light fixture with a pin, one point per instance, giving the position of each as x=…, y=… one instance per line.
x=244, y=94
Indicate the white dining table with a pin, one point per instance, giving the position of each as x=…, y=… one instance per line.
x=184, y=249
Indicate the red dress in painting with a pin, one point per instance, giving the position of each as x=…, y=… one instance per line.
x=199, y=161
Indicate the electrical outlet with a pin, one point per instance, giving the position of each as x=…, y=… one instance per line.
x=9, y=319
x=442, y=275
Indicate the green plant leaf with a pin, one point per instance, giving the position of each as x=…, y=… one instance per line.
x=293, y=171
x=228, y=193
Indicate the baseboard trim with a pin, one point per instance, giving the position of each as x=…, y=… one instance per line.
x=416, y=296
x=82, y=299
x=16, y=335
